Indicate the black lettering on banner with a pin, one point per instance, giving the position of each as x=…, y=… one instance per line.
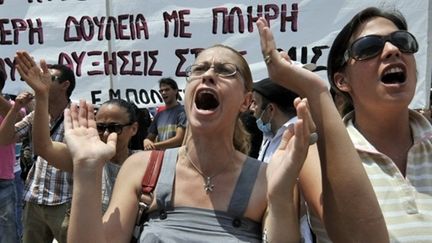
x=131, y=93
x=114, y=94
x=93, y=94
x=137, y=96
x=317, y=50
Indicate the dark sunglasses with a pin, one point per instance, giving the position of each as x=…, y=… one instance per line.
x=111, y=127
x=371, y=45
x=54, y=78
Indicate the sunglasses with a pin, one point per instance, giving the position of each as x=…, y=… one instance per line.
x=370, y=46
x=111, y=127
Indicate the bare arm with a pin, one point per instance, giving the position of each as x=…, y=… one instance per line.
x=351, y=211
x=4, y=106
x=281, y=223
x=7, y=128
x=39, y=79
x=89, y=155
x=173, y=142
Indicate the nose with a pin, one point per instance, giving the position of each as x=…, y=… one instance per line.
x=209, y=75
x=390, y=50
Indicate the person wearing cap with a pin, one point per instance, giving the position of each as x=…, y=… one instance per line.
x=272, y=106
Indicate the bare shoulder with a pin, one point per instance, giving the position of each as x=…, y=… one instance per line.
x=133, y=169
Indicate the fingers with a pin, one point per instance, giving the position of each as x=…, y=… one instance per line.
x=44, y=67
x=67, y=119
x=91, y=115
x=82, y=114
x=268, y=45
x=74, y=115
x=112, y=140
x=303, y=112
x=286, y=137
x=22, y=61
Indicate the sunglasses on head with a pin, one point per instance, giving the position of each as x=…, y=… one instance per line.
x=371, y=45
x=111, y=127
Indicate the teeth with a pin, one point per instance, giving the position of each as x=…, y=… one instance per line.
x=394, y=70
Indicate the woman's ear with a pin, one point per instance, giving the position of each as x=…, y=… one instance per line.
x=246, y=102
x=134, y=127
x=341, y=82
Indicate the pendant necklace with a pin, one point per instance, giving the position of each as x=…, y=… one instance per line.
x=208, y=185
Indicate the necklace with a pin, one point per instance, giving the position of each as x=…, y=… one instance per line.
x=208, y=185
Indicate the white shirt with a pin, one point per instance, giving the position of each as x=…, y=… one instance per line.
x=271, y=143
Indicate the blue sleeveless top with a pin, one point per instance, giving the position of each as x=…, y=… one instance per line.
x=187, y=224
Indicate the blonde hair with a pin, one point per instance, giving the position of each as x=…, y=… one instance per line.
x=242, y=138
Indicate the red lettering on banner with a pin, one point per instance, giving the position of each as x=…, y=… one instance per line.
x=122, y=27
x=33, y=27
x=293, y=18
x=271, y=12
x=135, y=63
x=179, y=23
x=180, y=53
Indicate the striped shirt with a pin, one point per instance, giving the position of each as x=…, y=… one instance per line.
x=166, y=122
x=406, y=202
x=45, y=184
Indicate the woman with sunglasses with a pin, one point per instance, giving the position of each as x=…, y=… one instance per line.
x=371, y=63
x=114, y=116
x=208, y=190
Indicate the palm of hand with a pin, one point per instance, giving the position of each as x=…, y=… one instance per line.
x=38, y=80
x=284, y=167
x=85, y=145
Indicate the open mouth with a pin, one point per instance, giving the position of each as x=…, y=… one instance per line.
x=395, y=75
x=206, y=100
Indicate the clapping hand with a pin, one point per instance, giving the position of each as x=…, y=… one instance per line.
x=38, y=78
x=82, y=138
x=22, y=100
x=288, y=159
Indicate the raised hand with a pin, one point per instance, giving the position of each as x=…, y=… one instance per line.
x=38, y=78
x=22, y=100
x=288, y=159
x=82, y=138
x=280, y=67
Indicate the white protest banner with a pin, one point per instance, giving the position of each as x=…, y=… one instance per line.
x=120, y=49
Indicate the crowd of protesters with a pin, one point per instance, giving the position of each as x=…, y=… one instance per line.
x=350, y=164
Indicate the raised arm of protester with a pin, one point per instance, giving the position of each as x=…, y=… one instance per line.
x=7, y=127
x=351, y=212
x=39, y=78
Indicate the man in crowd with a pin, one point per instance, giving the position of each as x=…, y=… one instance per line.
x=9, y=221
x=48, y=191
x=274, y=110
x=168, y=127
